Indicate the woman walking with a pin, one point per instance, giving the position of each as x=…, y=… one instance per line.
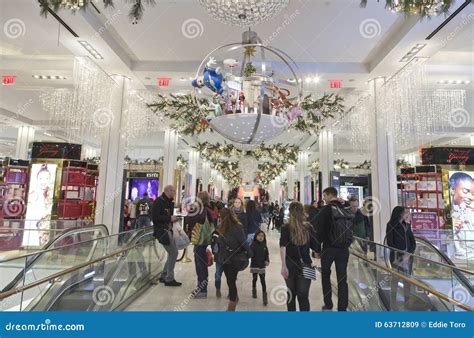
x=254, y=219
x=296, y=240
x=400, y=236
x=233, y=252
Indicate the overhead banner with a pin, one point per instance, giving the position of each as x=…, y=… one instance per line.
x=447, y=155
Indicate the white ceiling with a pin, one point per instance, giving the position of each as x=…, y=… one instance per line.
x=325, y=38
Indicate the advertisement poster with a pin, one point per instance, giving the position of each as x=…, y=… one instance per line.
x=461, y=196
x=140, y=186
x=39, y=204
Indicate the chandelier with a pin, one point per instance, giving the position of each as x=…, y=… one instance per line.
x=420, y=7
x=252, y=90
x=243, y=12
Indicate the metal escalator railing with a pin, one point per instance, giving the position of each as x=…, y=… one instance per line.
x=101, y=283
x=436, y=275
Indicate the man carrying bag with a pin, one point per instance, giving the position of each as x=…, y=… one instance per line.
x=163, y=219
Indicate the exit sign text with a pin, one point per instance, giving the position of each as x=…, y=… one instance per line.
x=335, y=83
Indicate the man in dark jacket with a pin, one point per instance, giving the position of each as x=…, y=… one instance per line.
x=361, y=224
x=330, y=253
x=163, y=219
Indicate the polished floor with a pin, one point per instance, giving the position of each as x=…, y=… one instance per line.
x=162, y=298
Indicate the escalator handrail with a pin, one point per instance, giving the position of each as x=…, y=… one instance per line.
x=453, y=267
x=77, y=267
x=37, y=254
x=463, y=279
x=415, y=283
x=47, y=246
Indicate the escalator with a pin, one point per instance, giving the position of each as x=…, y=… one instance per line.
x=111, y=271
x=375, y=286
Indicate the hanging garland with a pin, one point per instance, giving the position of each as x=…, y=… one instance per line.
x=181, y=162
x=421, y=8
x=135, y=13
x=267, y=172
x=229, y=170
x=190, y=119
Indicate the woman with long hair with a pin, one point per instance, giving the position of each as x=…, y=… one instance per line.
x=254, y=218
x=233, y=252
x=296, y=240
x=400, y=237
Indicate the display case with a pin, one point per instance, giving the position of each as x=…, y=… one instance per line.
x=78, y=190
x=13, y=183
x=422, y=190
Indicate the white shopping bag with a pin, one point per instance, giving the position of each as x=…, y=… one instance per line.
x=180, y=238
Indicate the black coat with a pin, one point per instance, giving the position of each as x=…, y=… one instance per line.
x=323, y=224
x=400, y=236
x=163, y=209
x=313, y=213
x=260, y=254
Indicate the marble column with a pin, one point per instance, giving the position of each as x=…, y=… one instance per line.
x=290, y=175
x=303, y=171
x=193, y=169
x=112, y=154
x=26, y=134
x=170, y=156
x=326, y=157
x=384, y=177
x=205, y=175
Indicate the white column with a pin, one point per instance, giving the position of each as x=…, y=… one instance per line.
x=472, y=140
x=205, y=175
x=326, y=157
x=277, y=189
x=112, y=154
x=303, y=171
x=170, y=155
x=193, y=169
x=384, y=177
x=290, y=175
x=26, y=134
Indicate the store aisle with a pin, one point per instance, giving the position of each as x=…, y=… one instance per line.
x=161, y=298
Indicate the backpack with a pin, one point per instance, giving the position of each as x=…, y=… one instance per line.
x=226, y=255
x=341, y=233
x=202, y=233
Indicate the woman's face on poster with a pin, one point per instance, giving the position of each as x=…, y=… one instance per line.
x=43, y=180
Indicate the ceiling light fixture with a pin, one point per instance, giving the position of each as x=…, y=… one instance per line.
x=91, y=50
x=49, y=77
x=453, y=82
x=412, y=52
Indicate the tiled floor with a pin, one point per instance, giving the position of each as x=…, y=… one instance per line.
x=162, y=298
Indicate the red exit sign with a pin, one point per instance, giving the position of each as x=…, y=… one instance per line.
x=335, y=83
x=163, y=81
x=8, y=79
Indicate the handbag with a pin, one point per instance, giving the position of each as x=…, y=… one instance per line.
x=210, y=257
x=180, y=238
x=308, y=270
x=202, y=233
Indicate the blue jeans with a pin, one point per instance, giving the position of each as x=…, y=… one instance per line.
x=218, y=275
x=200, y=262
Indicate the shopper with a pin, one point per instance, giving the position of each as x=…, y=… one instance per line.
x=260, y=260
x=400, y=237
x=233, y=252
x=144, y=212
x=313, y=213
x=360, y=224
x=270, y=215
x=274, y=216
x=296, y=239
x=334, y=231
x=201, y=215
x=163, y=219
x=133, y=213
x=254, y=219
